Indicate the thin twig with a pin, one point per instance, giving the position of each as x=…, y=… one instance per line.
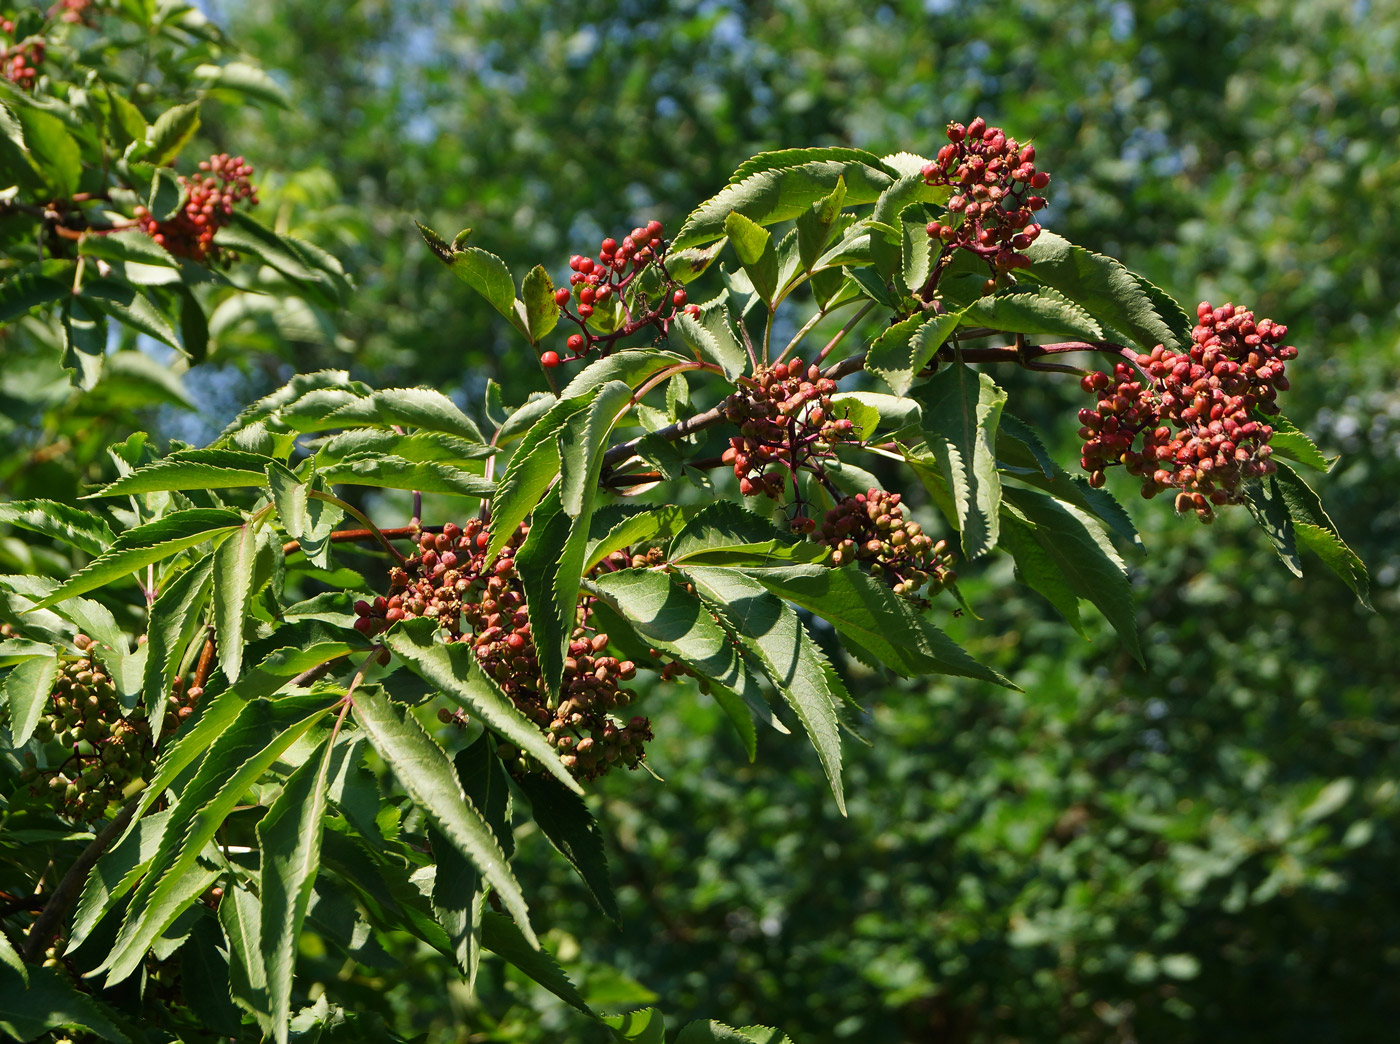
x=41, y=933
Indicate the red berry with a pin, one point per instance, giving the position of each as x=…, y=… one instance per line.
x=585, y=311
x=575, y=342
x=561, y=296
x=678, y=299
x=549, y=360
x=609, y=246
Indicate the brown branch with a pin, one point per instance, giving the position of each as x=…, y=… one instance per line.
x=206, y=661
x=363, y=536
x=41, y=933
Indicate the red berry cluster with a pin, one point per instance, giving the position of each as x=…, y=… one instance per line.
x=870, y=528
x=20, y=62
x=209, y=201
x=1196, y=414
x=102, y=750
x=604, y=282
x=993, y=177
x=786, y=423
x=483, y=604
x=74, y=11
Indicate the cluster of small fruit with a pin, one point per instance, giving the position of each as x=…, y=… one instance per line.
x=606, y=282
x=210, y=197
x=19, y=62
x=107, y=749
x=870, y=529
x=786, y=423
x=993, y=178
x=482, y=604
x=1196, y=412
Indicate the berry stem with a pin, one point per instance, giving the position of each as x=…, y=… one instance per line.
x=366, y=536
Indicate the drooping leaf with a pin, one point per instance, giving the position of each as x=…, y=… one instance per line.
x=423, y=770
x=1317, y=533
x=961, y=410
x=1082, y=552
x=1038, y=571
x=454, y=671
x=792, y=659
x=564, y=818
x=82, y=529
x=814, y=225
x=873, y=618
x=236, y=760
x=1266, y=503
x=146, y=544
x=289, y=838
x=34, y=285
x=308, y=520
x=541, y=313
x=46, y=1000
x=1292, y=443
x=753, y=244
x=503, y=937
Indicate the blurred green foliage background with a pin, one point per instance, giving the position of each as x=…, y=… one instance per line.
x=1203, y=850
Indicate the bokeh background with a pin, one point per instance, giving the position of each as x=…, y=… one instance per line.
x=1203, y=850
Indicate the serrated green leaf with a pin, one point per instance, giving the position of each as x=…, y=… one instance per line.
x=1317, y=533
x=777, y=194
x=170, y=133
x=1265, y=502
x=781, y=159
x=116, y=873
x=582, y=441
x=488, y=275
x=423, y=770
x=241, y=920
x=905, y=348
x=316, y=273
x=34, y=285
x=566, y=821
x=909, y=190
x=46, y=1000
x=192, y=469
x=127, y=245
x=455, y=672
x=233, y=587
x=425, y=445
x=421, y=408
x=299, y=386
x=644, y=1026
x=622, y=525
x=1105, y=289
x=1036, y=310
x=794, y=663
x=718, y=1033
x=724, y=533
x=1038, y=571
x=289, y=837
x=541, y=313
x=753, y=244
x=244, y=78
x=1292, y=443
x=1080, y=549
x=391, y=472
x=961, y=410
x=871, y=617
x=27, y=689
x=175, y=616
x=631, y=367
x=550, y=564
x=875, y=411
x=147, y=544
x=54, y=151
x=814, y=225
x=10, y=956
x=127, y=305
x=726, y=352
x=503, y=937
x=1023, y=456
x=274, y=670
x=72, y=525
x=237, y=759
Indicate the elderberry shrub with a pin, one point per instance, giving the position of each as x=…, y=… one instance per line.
x=210, y=197
x=483, y=604
x=1200, y=413
x=95, y=750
